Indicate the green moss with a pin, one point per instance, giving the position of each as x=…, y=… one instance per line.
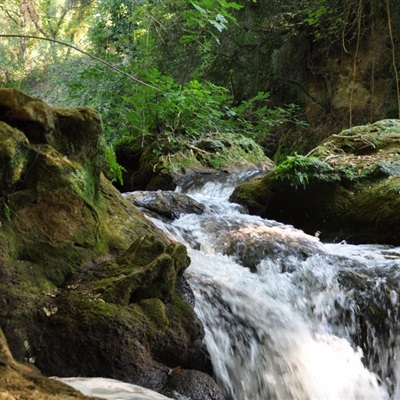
x=59, y=220
x=183, y=321
x=254, y=194
x=13, y=156
x=224, y=151
x=178, y=253
x=148, y=269
x=381, y=137
x=156, y=311
x=25, y=279
x=82, y=180
x=132, y=283
x=88, y=306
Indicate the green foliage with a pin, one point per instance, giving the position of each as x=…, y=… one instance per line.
x=324, y=19
x=113, y=26
x=191, y=110
x=299, y=171
x=205, y=13
x=5, y=210
x=256, y=118
x=220, y=66
x=52, y=19
x=173, y=116
x=149, y=32
x=112, y=168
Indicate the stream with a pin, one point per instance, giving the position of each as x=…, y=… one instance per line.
x=286, y=316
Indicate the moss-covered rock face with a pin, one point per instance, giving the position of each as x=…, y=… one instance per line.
x=19, y=381
x=348, y=188
x=164, y=169
x=77, y=297
x=121, y=318
x=55, y=206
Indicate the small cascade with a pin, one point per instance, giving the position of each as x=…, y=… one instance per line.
x=286, y=316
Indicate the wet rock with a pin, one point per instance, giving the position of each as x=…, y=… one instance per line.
x=166, y=204
x=372, y=310
x=20, y=381
x=257, y=242
x=122, y=319
x=347, y=188
x=249, y=243
x=192, y=385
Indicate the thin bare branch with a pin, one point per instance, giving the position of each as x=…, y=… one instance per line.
x=109, y=65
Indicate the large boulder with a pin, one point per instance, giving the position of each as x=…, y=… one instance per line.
x=76, y=296
x=348, y=188
x=164, y=165
x=121, y=318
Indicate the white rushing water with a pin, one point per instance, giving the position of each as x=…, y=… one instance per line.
x=282, y=330
x=111, y=389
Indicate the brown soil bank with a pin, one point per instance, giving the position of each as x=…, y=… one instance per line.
x=348, y=188
x=88, y=286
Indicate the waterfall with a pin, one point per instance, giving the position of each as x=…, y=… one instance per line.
x=280, y=319
x=286, y=316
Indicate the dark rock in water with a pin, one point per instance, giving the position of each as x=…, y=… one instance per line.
x=77, y=297
x=253, y=242
x=22, y=381
x=192, y=385
x=347, y=189
x=372, y=309
x=166, y=204
x=257, y=242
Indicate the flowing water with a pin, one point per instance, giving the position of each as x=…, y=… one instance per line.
x=111, y=389
x=283, y=311
x=286, y=316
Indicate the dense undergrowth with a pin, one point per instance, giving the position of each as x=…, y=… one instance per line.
x=286, y=75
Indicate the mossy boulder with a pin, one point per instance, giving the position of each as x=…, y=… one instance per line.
x=347, y=188
x=125, y=315
x=76, y=296
x=164, y=165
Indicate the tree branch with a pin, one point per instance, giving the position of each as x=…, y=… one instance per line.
x=109, y=65
x=303, y=89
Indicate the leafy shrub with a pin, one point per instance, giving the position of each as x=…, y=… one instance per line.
x=167, y=112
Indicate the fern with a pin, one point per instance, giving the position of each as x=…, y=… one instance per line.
x=299, y=171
